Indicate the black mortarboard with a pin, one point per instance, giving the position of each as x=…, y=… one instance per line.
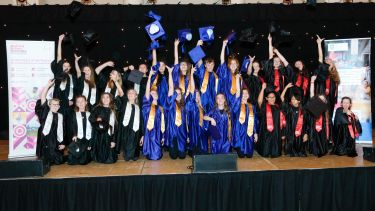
x=316, y=106
x=90, y=36
x=135, y=76
x=247, y=35
x=74, y=9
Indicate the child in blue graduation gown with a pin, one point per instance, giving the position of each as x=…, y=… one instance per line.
x=245, y=131
x=176, y=121
x=198, y=143
x=220, y=118
x=208, y=80
x=153, y=116
x=227, y=75
x=347, y=129
x=50, y=143
x=180, y=71
x=159, y=80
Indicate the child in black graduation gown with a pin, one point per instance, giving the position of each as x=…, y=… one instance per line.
x=346, y=129
x=272, y=121
x=296, y=129
x=80, y=132
x=50, y=143
x=130, y=126
x=103, y=119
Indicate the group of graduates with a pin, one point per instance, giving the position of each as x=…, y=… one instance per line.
x=193, y=109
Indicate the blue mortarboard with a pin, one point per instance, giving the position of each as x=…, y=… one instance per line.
x=153, y=15
x=207, y=33
x=196, y=54
x=231, y=38
x=185, y=35
x=214, y=131
x=154, y=45
x=155, y=30
x=245, y=64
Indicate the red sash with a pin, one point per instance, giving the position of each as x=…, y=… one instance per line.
x=299, y=80
x=319, y=123
x=282, y=120
x=277, y=80
x=298, y=130
x=269, y=118
x=352, y=130
x=328, y=85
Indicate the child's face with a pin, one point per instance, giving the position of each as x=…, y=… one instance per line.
x=106, y=100
x=233, y=65
x=115, y=75
x=346, y=104
x=276, y=62
x=271, y=98
x=132, y=95
x=81, y=103
x=245, y=95
x=66, y=67
x=54, y=106
x=220, y=100
x=295, y=102
x=162, y=67
x=87, y=72
x=183, y=67
x=298, y=65
x=209, y=66
x=256, y=67
x=143, y=68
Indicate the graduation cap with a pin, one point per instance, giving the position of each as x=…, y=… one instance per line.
x=74, y=9
x=184, y=35
x=231, y=37
x=90, y=36
x=76, y=149
x=206, y=34
x=155, y=30
x=247, y=35
x=68, y=38
x=196, y=54
x=245, y=64
x=214, y=131
x=153, y=15
x=154, y=45
x=279, y=35
x=135, y=76
x=316, y=106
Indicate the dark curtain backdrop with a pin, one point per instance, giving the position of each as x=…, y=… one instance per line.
x=339, y=189
x=130, y=44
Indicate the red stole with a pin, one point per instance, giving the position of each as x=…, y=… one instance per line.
x=304, y=84
x=269, y=118
x=352, y=130
x=298, y=130
x=277, y=80
x=319, y=125
x=328, y=85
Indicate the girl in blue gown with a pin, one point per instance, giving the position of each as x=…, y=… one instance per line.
x=220, y=118
x=159, y=80
x=153, y=116
x=245, y=131
x=180, y=71
x=176, y=121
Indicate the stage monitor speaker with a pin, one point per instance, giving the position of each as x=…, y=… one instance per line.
x=214, y=163
x=25, y=167
x=369, y=153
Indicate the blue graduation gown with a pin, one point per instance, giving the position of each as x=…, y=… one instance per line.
x=225, y=78
x=243, y=143
x=176, y=78
x=173, y=131
x=207, y=98
x=222, y=145
x=152, y=147
x=162, y=85
x=197, y=135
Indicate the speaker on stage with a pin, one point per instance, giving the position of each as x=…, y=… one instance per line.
x=23, y=167
x=369, y=153
x=214, y=163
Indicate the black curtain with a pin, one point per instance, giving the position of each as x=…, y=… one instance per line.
x=291, y=190
x=122, y=35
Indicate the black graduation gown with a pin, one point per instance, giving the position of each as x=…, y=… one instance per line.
x=269, y=143
x=47, y=146
x=127, y=138
x=101, y=146
x=269, y=75
x=102, y=82
x=77, y=151
x=130, y=85
x=62, y=95
x=293, y=76
x=318, y=141
x=81, y=85
x=254, y=85
x=344, y=144
x=320, y=86
x=294, y=146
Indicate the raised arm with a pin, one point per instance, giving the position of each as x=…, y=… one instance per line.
x=154, y=57
x=261, y=94
x=43, y=95
x=148, y=85
x=238, y=86
x=222, y=54
x=170, y=81
x=176, y=43
x=78, y=69
x=250, y=67
x=191, y=81
x=312, y=86
x=320, y=50
x=104, y=65
x=282, y=96
x=200, y=62
x=270, y=47
x=282, y=58
x=59, y=51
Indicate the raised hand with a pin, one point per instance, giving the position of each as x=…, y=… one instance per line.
x=50, y=82
x=200, y=42
x=176, y=42
x=319, y=40
x=77, y=58
x=61, y=37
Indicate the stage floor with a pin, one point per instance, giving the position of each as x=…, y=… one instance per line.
x=168, y=166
